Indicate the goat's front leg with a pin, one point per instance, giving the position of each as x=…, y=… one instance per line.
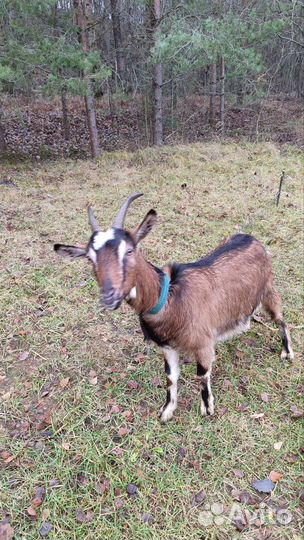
x=204, y=359
x=172, y=373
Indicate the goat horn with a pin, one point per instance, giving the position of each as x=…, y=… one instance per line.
x=120, y=218
x=92, y=220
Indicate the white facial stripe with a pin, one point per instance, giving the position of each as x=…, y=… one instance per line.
x=92, y=255
x=122, y=250
x=101, y=238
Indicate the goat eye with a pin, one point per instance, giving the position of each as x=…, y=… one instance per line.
x=129, y=251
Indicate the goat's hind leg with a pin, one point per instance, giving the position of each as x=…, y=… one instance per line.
x=273, y=305
x=172, y=373
x=204, y=360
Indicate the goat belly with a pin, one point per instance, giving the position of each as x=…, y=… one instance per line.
x=235, y=330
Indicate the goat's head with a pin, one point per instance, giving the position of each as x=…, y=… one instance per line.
x=113, y=254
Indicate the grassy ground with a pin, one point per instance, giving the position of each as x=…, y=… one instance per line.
x=80, y=391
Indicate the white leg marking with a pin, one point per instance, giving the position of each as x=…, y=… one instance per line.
x=206, y=380
x=284, y=353
x=172, y=358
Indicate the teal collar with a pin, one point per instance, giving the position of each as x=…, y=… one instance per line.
x=164, y=293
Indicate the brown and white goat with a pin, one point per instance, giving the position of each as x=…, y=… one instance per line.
x=183, y=307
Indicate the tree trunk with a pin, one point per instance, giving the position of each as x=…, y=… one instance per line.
x=65, y=115
x=222, y=94
x=84, y=18
x=120, y=60
x=157, y=86
x=3, y=145
x=212, y=76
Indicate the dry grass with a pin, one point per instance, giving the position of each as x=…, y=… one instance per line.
x=56, y=424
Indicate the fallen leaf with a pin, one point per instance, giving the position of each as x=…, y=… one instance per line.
x=23, y=356
x=256, y=416
x=45, y=514
x=133, y=384
x=102, y=488
x=132, y=490
x=45, y=528
x=117, y=451
x=65, y=446
x=263, y=486
x=199, y=498
x=64, y=382
x=106, y=418
x=157, y=382
x=115, y=409
x=238, y=473
x=84, y=517
x=82, y=479
x=239, y=354
x=278, y=445
x=242, y=496
x=275, y=476
x=6, y=531
x=123, y=431
x=292, y=458
x=54, y=483
x=222, y=411
x=148, y=519
x=296, y=413
x=6, y=456
x=265, y=397
x=6, y=396
x=129, y=416
x=181, y=453
x=236, y=494
x=31, y=513
x=119, y=503
x=239, y=524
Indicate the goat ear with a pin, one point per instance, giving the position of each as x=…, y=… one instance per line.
x=72, y=252
x=145, y=227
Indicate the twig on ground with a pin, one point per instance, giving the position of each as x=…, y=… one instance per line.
x=258, y=320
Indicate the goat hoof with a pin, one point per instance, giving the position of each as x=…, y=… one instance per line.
x=166, y=415
x=203, y=410
x=207, y=412
x=285, y=354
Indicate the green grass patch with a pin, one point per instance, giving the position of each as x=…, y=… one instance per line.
x=66, y=363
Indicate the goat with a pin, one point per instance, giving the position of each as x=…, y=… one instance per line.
x=183, y=307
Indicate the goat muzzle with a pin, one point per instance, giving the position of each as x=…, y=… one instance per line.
x=111, y=299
